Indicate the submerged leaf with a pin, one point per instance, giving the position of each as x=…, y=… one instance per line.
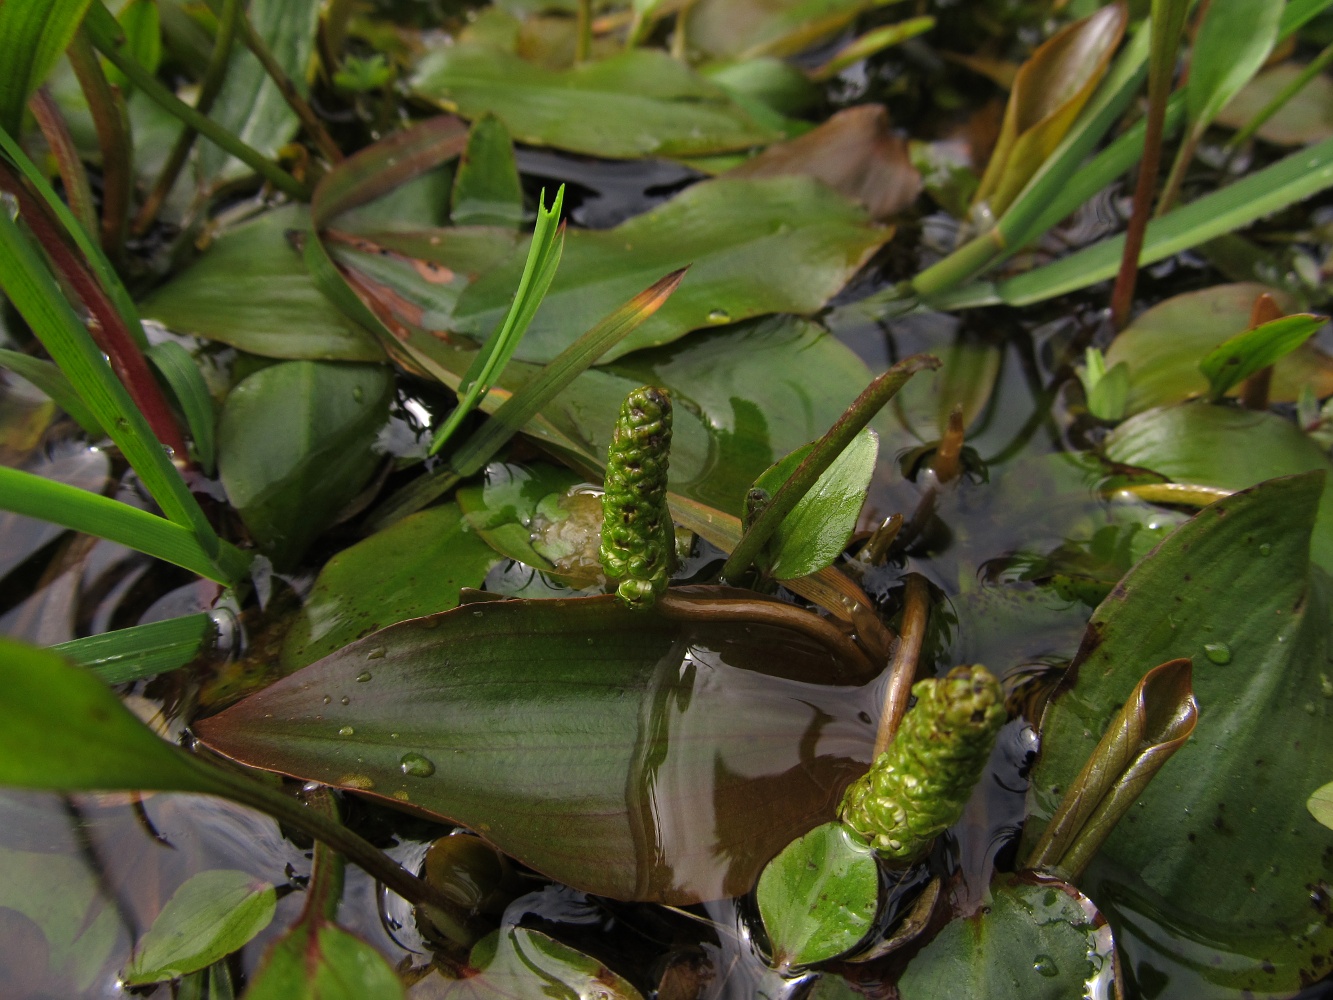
x=516, y=962
x=617, y=751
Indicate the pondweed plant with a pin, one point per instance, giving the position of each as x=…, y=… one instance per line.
x=580, y=586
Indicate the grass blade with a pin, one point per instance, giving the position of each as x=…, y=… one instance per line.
x=32, y=37
x=543, y=259
x=51, y=380
x=141, y=651
x=186, y=382
x=1237, y=358
x=93, y=514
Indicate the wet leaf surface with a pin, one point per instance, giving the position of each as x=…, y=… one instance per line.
x=514, y=963
x=296, y=445
x=501, y=508
x=1219, y=854
x=640, y=103
x=618, y=752
x=412, y=568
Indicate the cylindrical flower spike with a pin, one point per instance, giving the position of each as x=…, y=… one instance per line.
x=638, y=539
x=917, y=788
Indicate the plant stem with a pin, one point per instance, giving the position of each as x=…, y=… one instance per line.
x=309, y=120
x=106, y=36
x=72, y=174
x=583, y=32
x=902, y=672
x=1168, y=20
x=111, y=120
x=825, y=451
x=1254, y=390
x=214, y=76
x=1184, y=157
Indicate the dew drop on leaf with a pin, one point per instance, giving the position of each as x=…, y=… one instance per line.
x=416, y=765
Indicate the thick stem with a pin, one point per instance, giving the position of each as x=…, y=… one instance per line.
x=902, y=672
x=111, y=120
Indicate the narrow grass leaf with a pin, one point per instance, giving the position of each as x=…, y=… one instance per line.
x=141, y=651
x=187, y=385
x=1297, y=14
x=52, y=381
x=32, y=37
x=1236, y=359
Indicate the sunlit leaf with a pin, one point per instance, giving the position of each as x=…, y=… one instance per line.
x=636, y=104
x=819, y=896
x=415, y=567
x=1050, y=90
x=296, y=444
x=213, y=914
x=562, y=730
x=1233, y=589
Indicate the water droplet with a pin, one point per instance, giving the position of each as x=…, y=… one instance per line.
x=359, y=781
x=1265, y=549
x=346, y=731
x=345, y=700
x=1218, y=652
x=719, y=316
x=375, y=654
x=358, y=393
x=416, y=765
x=1044, y=965
x=362, y=677
x=328, y=699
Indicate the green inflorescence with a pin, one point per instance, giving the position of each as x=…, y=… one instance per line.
x=638, y=539
x=918, y=787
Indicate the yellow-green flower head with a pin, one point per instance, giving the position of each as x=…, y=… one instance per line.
x=918, y=787
x=638, y=539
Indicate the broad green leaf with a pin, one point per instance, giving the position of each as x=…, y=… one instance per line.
x=1051, y=88
x=323, y=962
x=296, y=444
x=1163, y=347
x=487, y=190
x=1230, y=47
x=502, y=507
x=1223, y=447
x=1320, y=804
x=250, y=104
x=412, y=568
x=819, y=897
x=516, y=962
x=1196, y=860
x=1035, y=939
x=213, y=914
x=63, y=729
x=1306, y=117
x=251, y=290
x=636, y=104
x=1239, y=357
x=140, y=651
x=814, y=534
x=32, y=38
x=765, y=246
x=567, y=732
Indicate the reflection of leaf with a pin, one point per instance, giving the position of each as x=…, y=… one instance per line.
x=213, y=914
x=619, y=752
x=1034, y=940
x=1049, y=91
x=414, y=567
x=639, y=103
x=296, y=445
x=515, y=963
x=1219, y=850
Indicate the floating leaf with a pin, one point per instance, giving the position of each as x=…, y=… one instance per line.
x=1050, y=90
x=296, y=445
x=1305, y=118
x=1239, y=357
x=251, y=290
x=562, y=730
x=321, y=961
x=412, y=568
x=819, y=897
x=1232, y=588
x=636, y=104
x=819, y=527
x=516, y=962
x=1035, y=939
x=487, y=190
x=213, y=914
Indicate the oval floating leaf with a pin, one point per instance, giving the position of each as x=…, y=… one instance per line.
x=414, y=567
x=296, y=445
x=818, y=898
x=620, y=752
x=1234, y=589
x=321, y=961
x=213, y=914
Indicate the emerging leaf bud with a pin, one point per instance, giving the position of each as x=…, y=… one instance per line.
x=918, y=787
x=638, y=539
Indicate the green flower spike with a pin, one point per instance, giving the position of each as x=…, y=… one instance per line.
x=638, y=539
x=918, y=787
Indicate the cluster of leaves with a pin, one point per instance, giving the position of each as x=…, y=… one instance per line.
x=304, y=338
